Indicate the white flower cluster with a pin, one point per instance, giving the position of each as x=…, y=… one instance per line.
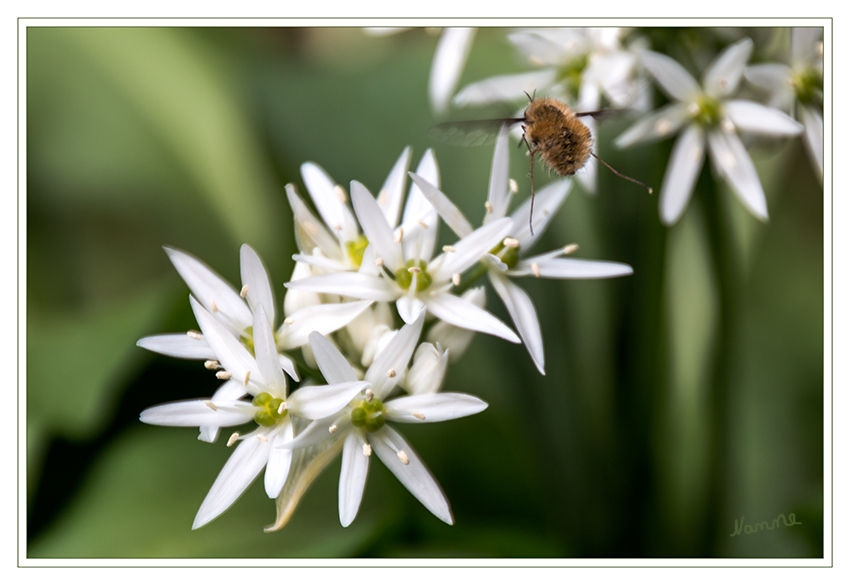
x=375, y=314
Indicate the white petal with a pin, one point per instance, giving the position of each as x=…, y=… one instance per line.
x=228, y=392
x=243, y=466
x=456, y=340
x=280, y=460
x=311, y=233
x=289, y=366
x=256, y=278
x=724, y=74
x=549, y=46
x=375, y=226
x=325, y=195
x=524, y=316
x=325, y=319
x=386, y=443
x=314, y=402
x=178, y=345
x=321, y=261
x=498, y=193
x=472, y=248
x=428, y=370
x=813, y=122
x=228, y=350
x=547, y=202
x=418, y=211
x=433, y=407
x=749, y=116
x=570, y=268
x=804, y=45
x=392, y=192
x=770, y=76
x=449, y=59
x=731, y=160
x=265, y=352
x=673, y=79
x=334, y=367
x=409, y=308
x=678, y=184
x=464, y=314
x=196, y=413
x=208, y=287
x=319, y=430
x=453, y=217
x=352, y=477
x=656, y=126
x=504, y=88
x=349, y=284
x=394, y=357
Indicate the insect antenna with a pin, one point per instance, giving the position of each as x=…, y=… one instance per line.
x=621, y=175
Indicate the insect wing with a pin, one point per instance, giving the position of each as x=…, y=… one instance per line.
x=470, y=132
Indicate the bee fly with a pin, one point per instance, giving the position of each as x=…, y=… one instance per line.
x=550, y=128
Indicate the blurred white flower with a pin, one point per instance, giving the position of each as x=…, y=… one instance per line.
x=260, y=376
x=449, y=60
x=362, y=424
x=707, y=114
x=505, y=262
x=798, y=88
x=235, y=310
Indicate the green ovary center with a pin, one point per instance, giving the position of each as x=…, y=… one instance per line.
x=268, y=406
x=808, y=85
x=507, y=254
x=706, y=111
x=404, y=276
x=368, y=414
x=355, y=249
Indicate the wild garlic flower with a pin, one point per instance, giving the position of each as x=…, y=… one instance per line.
x=337, y=244
x=706, y=113
x=505, y=261
x=363, y=424
x=798, y=88
x=235, y=310
x=259, y=375
x=408, y=275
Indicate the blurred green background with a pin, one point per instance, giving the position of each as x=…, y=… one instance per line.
x=643, y=440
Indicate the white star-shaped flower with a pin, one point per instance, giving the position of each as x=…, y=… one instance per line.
x=410, y=277
x=798, y=87
x=362, y=425
x=261, y=377
x=706, y=114
x=234, y=309
x=505, y=262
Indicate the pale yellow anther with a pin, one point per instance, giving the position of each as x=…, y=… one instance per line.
x=382, y=197
x=233, y=438
x=337, y=227
x=422, y=223
x=448, y=249
x=367, y=449
x=340, y=194
x=211, y=364
x=511, y=242
x=369, y=395
x=418, y=415
x=332, y=429
x=379, y=262
x=289, y=321
x=488, y=206
x=281, y=408
x=693, y=108
x=727, y=124
x=569, y=249
x=210, y=405
x=244, y=292
x=535, y=269
x=310, y=228
x=262, y=439
x=390, y=373
x=820, y=48
x=247, y=378
x=512, y=185
x=456, y=279
x=213, y=306
x=399, y=235
x=536, y=61
x=403, y=457
x=663, y=126
x=194, y=334
x=414, y=270
x=222, y=375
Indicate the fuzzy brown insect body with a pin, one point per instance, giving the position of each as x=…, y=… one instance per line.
x=552, y=130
